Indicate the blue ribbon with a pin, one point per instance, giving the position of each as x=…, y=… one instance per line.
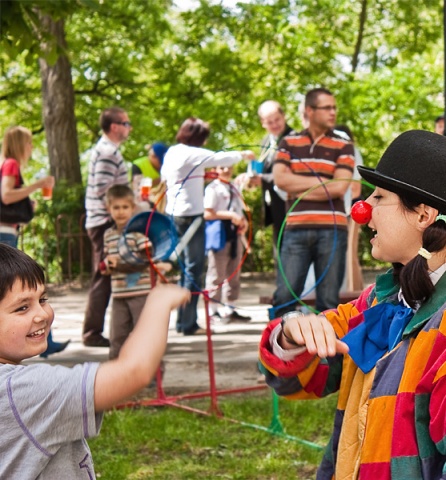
x=380, y=332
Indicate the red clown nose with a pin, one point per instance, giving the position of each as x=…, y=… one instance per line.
x=361, y=212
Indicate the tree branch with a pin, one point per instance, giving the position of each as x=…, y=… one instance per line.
x=362, y=20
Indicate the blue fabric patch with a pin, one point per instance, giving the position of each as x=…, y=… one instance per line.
x=389, y=371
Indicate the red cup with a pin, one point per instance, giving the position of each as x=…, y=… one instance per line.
x=145, y=192
x=47, y=193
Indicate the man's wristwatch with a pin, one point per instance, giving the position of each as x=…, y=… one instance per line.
x=286, y=317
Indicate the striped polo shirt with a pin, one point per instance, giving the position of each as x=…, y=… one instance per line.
x=106, y=168
x=322, y=158
x=125, y=285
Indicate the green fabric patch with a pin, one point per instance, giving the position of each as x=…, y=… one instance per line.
x=428, y=309
x=422, y=418
x=406, y=468
x=385, y=286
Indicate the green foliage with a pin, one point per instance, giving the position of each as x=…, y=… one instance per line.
x=55, y=234
x=173, y=444
x=163, y=63
x=21, y=26
x=261, y=257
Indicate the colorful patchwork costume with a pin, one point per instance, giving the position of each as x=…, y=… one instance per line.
x=391, y=422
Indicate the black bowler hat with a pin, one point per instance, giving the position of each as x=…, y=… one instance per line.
x=415, y=164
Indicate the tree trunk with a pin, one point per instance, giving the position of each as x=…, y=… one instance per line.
x=358, y=45
x=58, y=108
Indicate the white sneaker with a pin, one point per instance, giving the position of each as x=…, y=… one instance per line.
x=217, y=319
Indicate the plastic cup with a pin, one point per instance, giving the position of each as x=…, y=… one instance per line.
x=47, y=193
x=255, y=168
x=145, y=192
x=144, y=188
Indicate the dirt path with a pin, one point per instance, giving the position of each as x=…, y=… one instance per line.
x=186, y=359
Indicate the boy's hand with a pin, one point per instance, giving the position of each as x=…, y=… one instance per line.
x=170, y=294
x=112, y=261
x=237, y=219
x=243, y=226
x=164, y=267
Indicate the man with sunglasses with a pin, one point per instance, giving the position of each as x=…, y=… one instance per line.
x=314, y=167
x=106, y=168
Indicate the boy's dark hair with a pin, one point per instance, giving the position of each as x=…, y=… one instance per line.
x=312, y=96
x=193, y=132
x=17, y=265
x=109, y=116
x=440, y=117
x=117, y=192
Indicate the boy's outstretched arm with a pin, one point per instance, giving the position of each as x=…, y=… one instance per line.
x=141, y=354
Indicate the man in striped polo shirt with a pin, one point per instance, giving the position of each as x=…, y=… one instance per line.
x=316, y=226
x=106, y=168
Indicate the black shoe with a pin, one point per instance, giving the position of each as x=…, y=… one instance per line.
x=96, y=341
x=198, y=331
x=236, y=317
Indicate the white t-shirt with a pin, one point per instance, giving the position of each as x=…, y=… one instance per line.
x=217, y=196
x=183, y=170
x=46, y=413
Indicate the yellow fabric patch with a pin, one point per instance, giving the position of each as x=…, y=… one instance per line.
x=354, y=424
x=378, y=434
x=417, y=356
x=441, y=372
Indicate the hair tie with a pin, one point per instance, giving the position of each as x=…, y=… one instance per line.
x=424, y=253
x=441, y=217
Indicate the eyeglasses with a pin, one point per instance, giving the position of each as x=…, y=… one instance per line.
x=327, y=108
x=125, y=124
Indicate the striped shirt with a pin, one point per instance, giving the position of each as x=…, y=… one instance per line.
x=106, y=168
x=125, y=285
x=321, y=158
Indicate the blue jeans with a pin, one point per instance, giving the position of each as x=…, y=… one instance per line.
x=301, y=248
x=192, y=261
x=9, y=239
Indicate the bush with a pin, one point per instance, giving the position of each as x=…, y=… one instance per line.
x=55, y=237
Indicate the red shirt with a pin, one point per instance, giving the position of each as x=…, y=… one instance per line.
x=11, y=168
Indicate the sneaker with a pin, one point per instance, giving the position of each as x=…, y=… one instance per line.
x=217, y=319
x=236, y=317
x=198, y=331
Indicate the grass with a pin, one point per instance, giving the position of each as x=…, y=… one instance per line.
x=171, y=444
